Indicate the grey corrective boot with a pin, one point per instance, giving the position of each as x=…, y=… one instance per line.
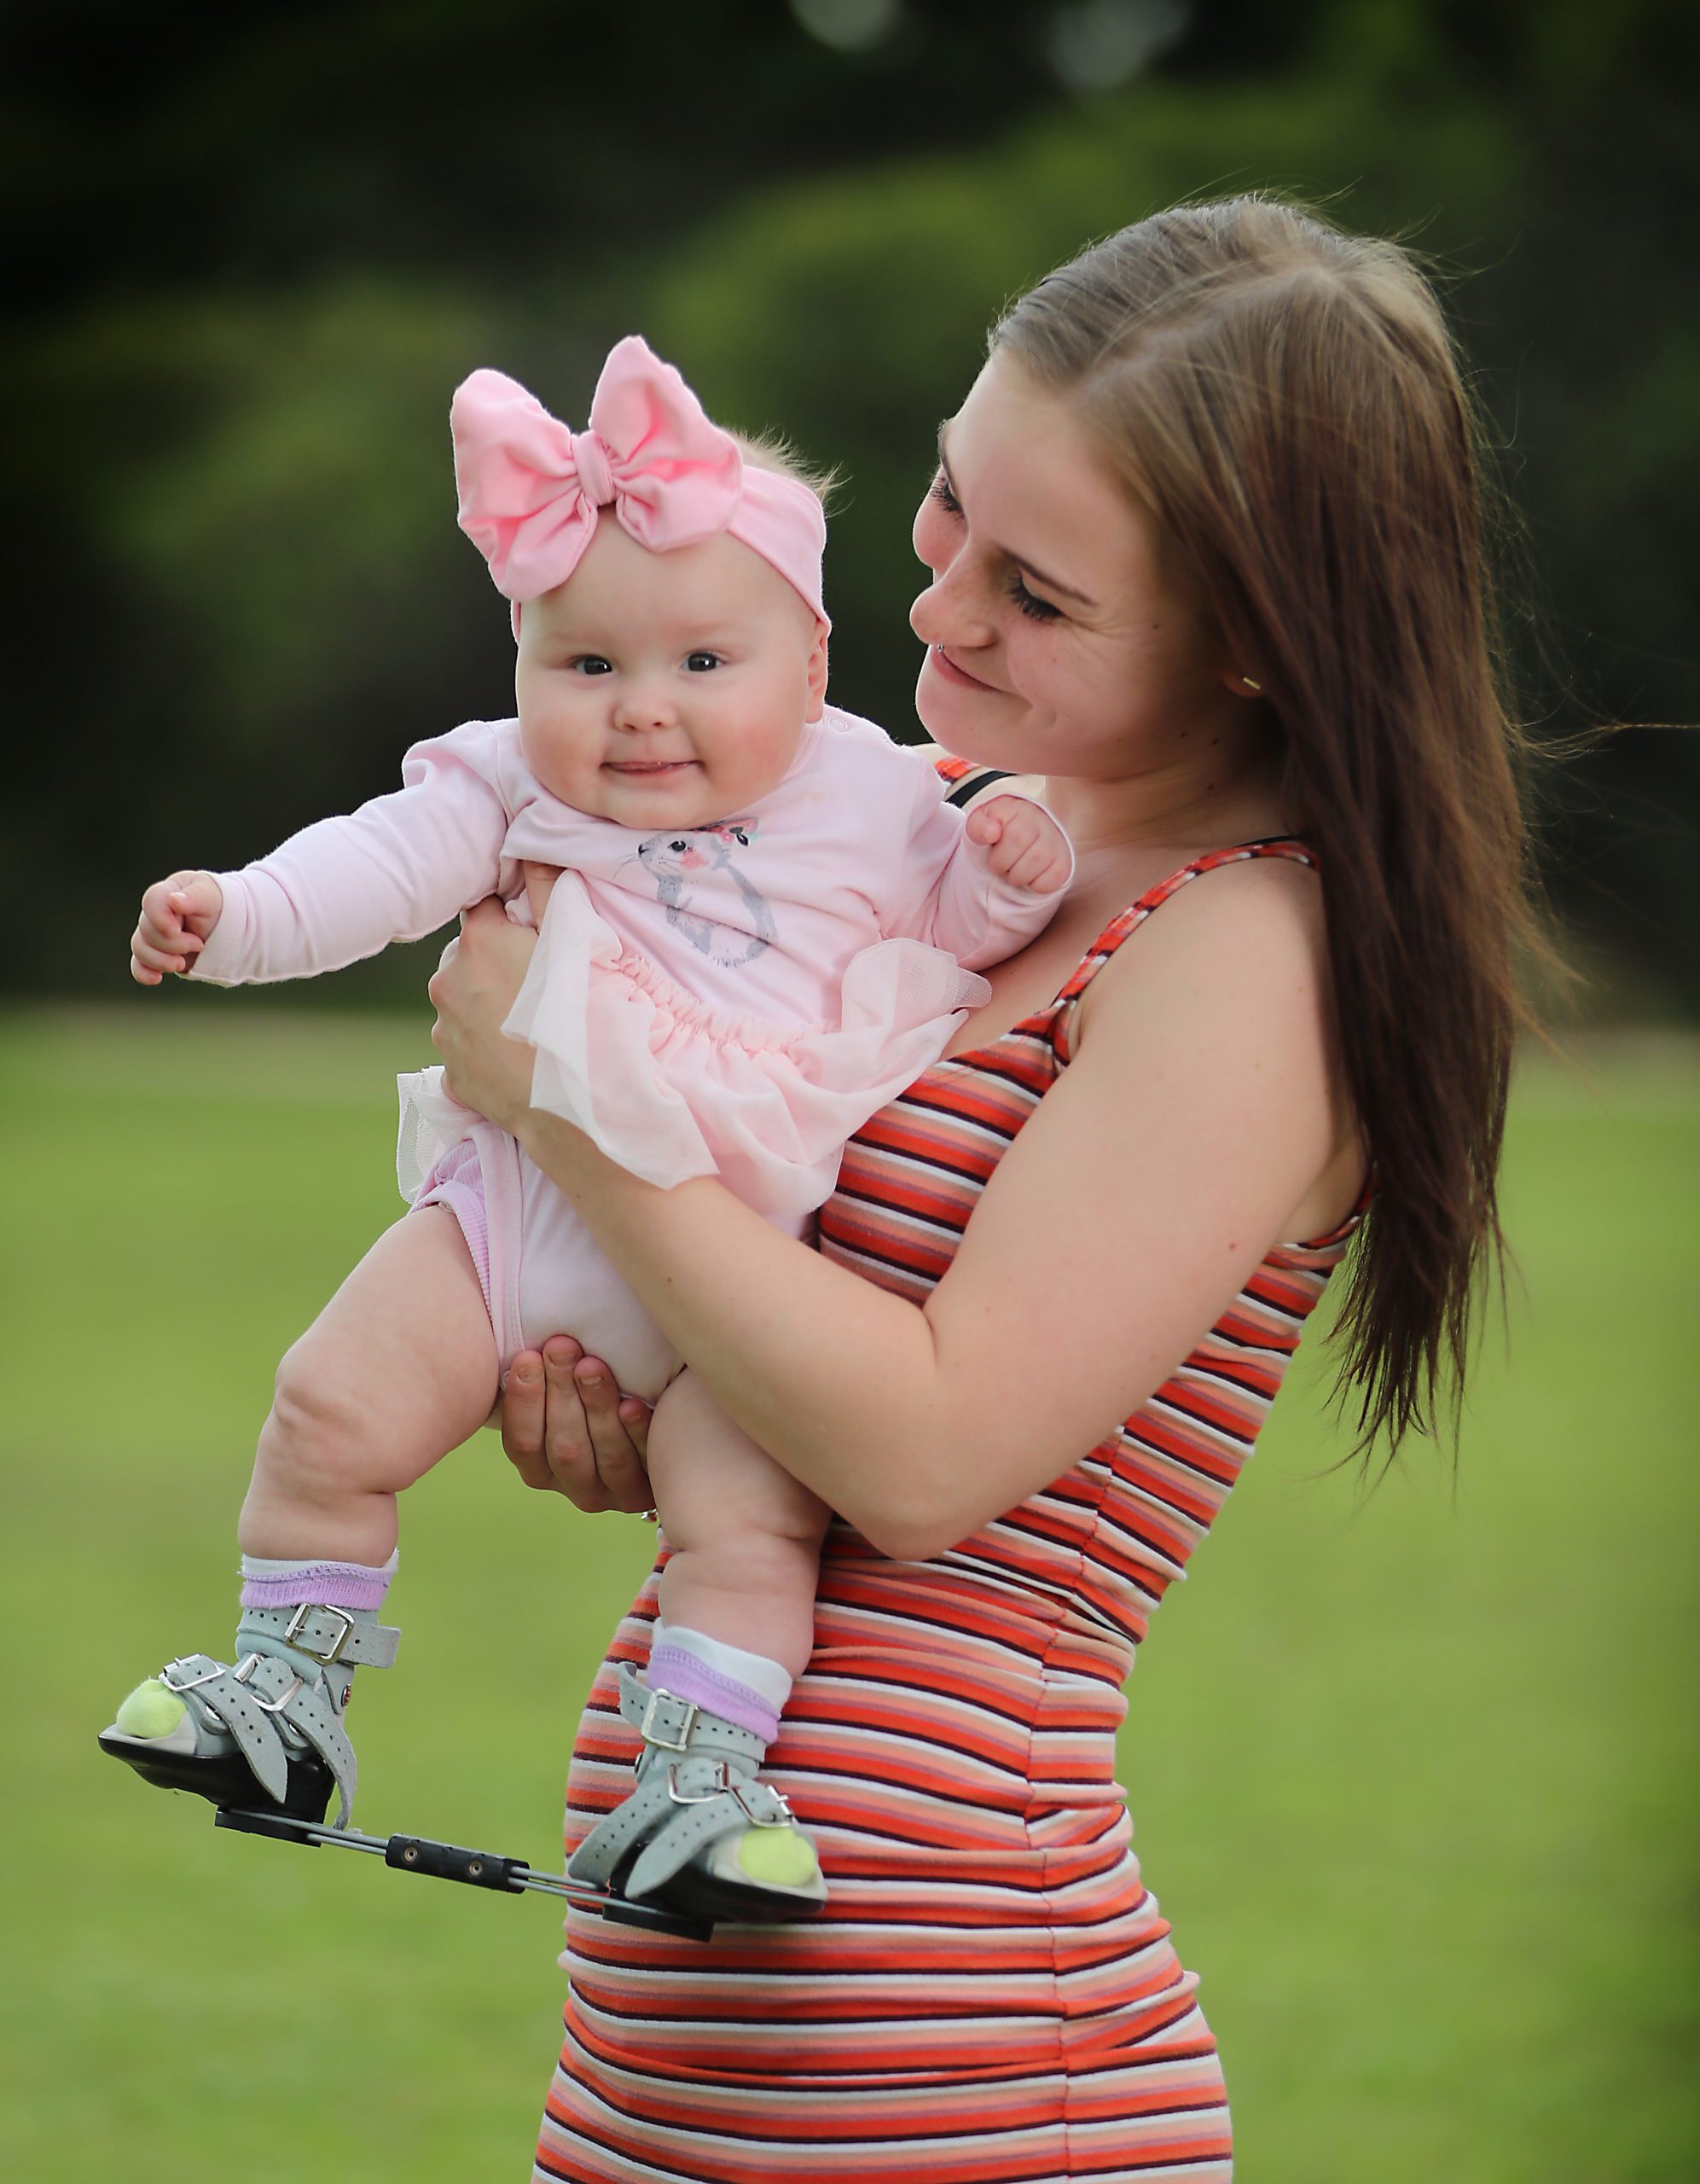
x=700, y=1833
x=271, y=1721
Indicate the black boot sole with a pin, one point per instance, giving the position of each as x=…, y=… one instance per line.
x=693, y=1895
x=228, y=1781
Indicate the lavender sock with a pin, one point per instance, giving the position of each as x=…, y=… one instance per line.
x=356, y=1587
x=350, y=1585
x=746, y=1688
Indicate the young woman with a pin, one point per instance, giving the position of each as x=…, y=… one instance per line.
x=1203, y=557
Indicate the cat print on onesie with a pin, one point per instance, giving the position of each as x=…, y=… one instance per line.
x=676, y=861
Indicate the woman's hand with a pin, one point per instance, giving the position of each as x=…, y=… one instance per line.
x=475, y=985
x=567, y=1430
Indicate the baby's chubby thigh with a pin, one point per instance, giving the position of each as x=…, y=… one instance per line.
x=397, y=1369
x=568, y=1285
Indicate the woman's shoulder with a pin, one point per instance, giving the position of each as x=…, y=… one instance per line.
x=1242, y=937
x=1278, y=868
x=1229, y=992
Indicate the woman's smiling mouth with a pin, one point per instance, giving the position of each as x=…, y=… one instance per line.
x=952, y=673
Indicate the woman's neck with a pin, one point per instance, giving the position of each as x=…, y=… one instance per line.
x=1226, y=795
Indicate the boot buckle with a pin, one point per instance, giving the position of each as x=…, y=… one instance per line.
x=723, y=1781
x=244, y=1675
x=297, y=1624
x=753, y=1799
x=650, y=1730
x=761, y=1805
x=193, y=1682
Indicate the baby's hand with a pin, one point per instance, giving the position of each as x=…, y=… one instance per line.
x=177, y=921
x=1025, y=845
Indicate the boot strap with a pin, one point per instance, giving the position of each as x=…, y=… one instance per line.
x=679, y=1808
x=672, y=1816
x=327, y=1634
x=670, y=1724
x=252, y=1700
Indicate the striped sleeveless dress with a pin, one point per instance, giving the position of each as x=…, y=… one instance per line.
x=991, y=1994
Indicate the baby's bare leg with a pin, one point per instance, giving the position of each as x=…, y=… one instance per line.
x=399, y=1368
x=746, y=1535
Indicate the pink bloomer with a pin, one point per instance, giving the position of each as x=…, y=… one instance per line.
x=456, y=1182
x=541, y=1270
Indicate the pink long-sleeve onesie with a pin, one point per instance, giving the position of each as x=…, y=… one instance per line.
x=734, y=999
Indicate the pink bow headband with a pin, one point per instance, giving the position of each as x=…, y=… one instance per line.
x=531, y=492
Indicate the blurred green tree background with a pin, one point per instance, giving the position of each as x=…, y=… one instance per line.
x=253, y=252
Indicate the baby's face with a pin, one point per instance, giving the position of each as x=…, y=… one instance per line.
x=666, y=689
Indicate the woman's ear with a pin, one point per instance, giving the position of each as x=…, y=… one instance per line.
x=817, y=674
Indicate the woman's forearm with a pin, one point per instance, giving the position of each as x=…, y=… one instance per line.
x=836, y=1378
x=1119, y=1226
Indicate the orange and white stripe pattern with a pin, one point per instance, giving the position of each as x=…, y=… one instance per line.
x=991, y=1996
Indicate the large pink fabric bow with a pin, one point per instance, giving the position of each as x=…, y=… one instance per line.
x=531, y=489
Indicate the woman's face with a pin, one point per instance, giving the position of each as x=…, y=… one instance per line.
x=1060, y=638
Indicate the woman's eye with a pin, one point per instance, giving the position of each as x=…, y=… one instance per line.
x=940, y=490
x=701, y=663
x=1029, y=601
x=590, y=663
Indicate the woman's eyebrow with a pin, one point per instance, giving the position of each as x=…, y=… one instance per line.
x=1028, y=568
x=1049, y=583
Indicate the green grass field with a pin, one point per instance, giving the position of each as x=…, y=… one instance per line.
x=1413, y=1778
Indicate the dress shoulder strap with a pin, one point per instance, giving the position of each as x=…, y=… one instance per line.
x=1129, y=921
x=964, y=779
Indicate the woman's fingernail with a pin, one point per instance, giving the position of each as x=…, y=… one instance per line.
x=526, y=1375
x=589, y=1379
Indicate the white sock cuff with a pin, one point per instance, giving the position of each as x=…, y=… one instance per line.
x=756, y=1670
x=265, y=1566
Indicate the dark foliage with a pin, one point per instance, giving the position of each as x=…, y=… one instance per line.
x=251, y=251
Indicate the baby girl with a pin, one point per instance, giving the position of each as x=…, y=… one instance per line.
x=766, y=925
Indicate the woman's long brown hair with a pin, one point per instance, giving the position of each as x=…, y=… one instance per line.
x=1285, y=397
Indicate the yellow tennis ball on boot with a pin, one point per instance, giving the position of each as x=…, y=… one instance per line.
x=151, y=1710
x=780, y=1857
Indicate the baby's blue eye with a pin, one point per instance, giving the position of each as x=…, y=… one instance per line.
x=700, y=663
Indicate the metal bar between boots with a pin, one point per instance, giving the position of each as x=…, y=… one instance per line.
x=420, y=1854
